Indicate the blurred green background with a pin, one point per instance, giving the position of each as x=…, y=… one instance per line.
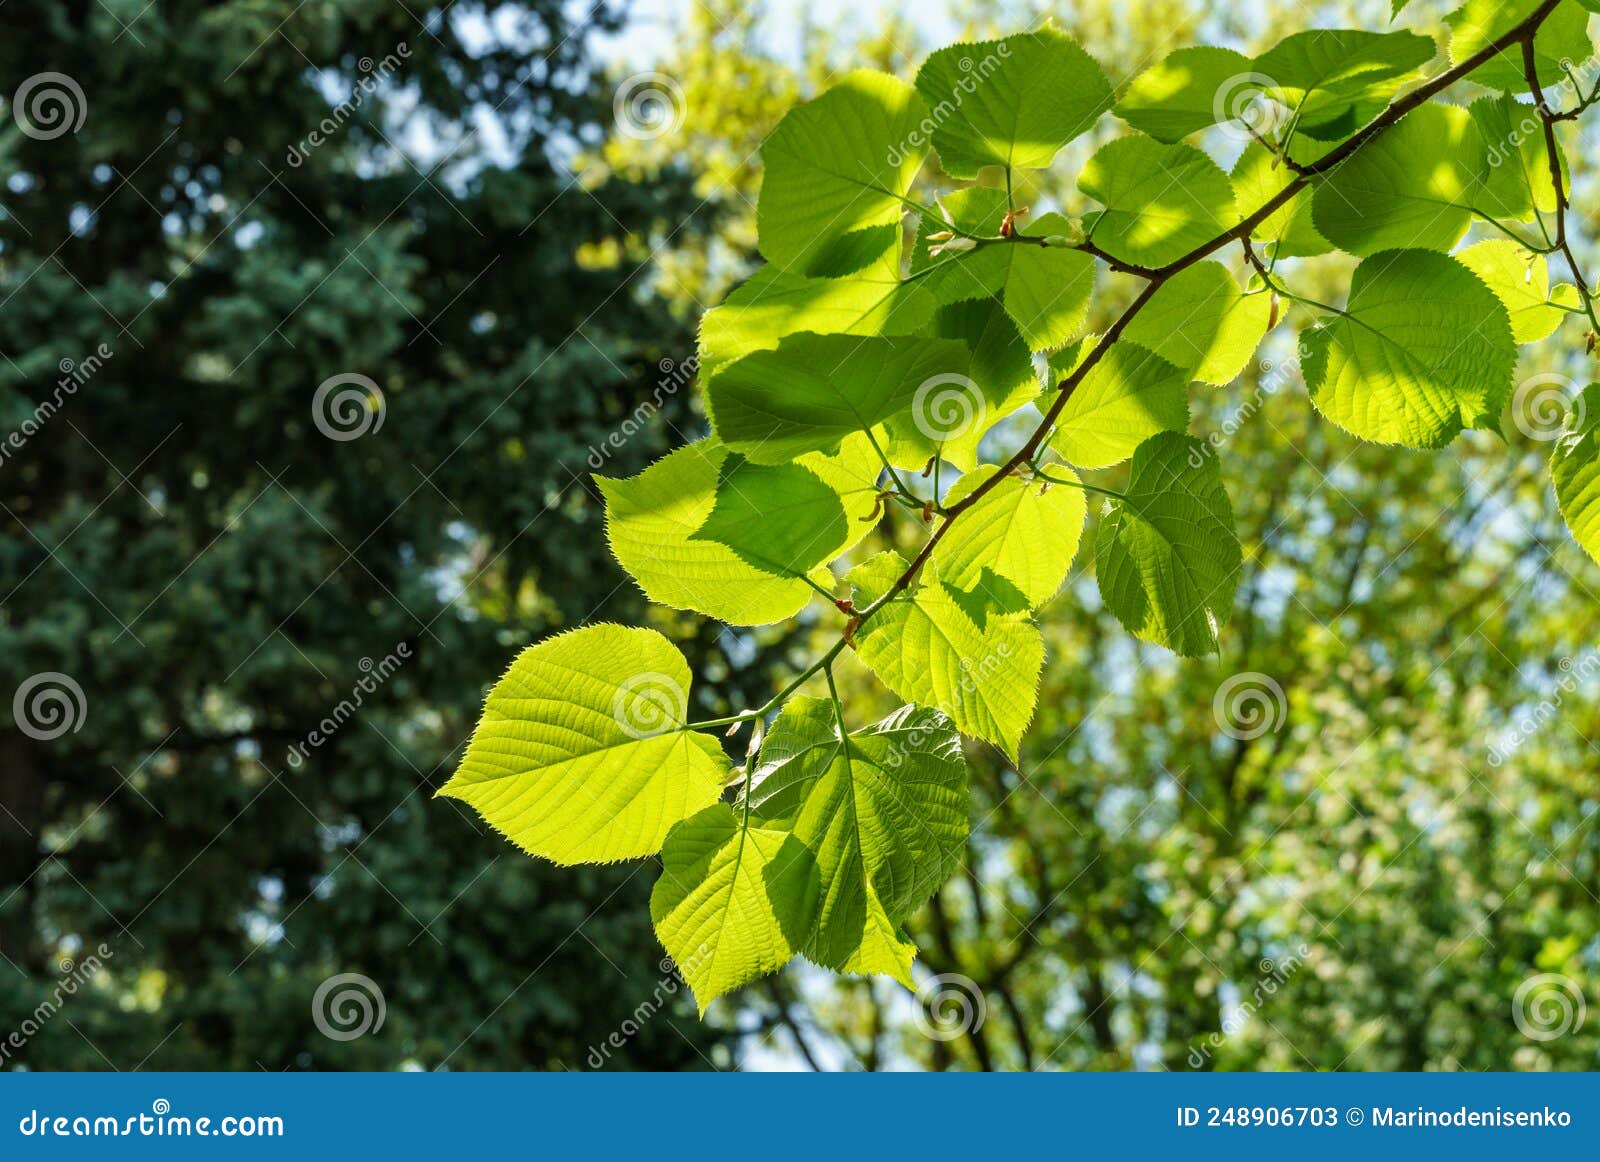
x=472, y=207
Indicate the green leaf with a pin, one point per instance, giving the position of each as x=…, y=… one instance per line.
x=1012, y=102
x=734, y=902
x=941, y=647
x=1514, y=169
x=1161, y=201
x=1190, y=90
x=812, y=391
x=1336, y=79
x=884, y=810
x=1126, y=398
x=1016, y=544
x=1424, y=350
x=1412, y=187
x=774, y=303
x=1521, y=280
x=652, y=521
x=1201, y=322
x=1167, y=557
x=1575, y=468
x=780, y=518
x=1258, y=177
x=953, y=415
x=1564, y=36
x=1045, y=290
x=582, y=754
x=836, y=165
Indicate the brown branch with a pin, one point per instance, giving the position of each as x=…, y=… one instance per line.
x=1547, y=119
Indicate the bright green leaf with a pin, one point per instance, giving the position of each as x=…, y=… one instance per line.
x=1200, y=321
x=1563, y=37
x=929, y=648
x=1410, y=188
x=1129, y=396
x=774, y=303
x=780, y=518
x=1521, y=280
x=652, y=520
x=1424, y=350
x=1012, y=102
x=836, y=165
x=1575, y=468
x=733, y=902
x=1161, y=201
x=884, y=810
x=811, y=391
x=1018, y=538
x=582, y=755
x=1335, y=79
x=1190, y=90
x=1167, y=557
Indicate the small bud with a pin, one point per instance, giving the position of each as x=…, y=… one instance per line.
x=1272, y=315
x=757, y=737
x=1074, y=236
x=941, y=236
x=954, y=246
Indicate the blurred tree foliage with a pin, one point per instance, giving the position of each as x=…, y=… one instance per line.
x=217, y=575
x=1404, y=837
